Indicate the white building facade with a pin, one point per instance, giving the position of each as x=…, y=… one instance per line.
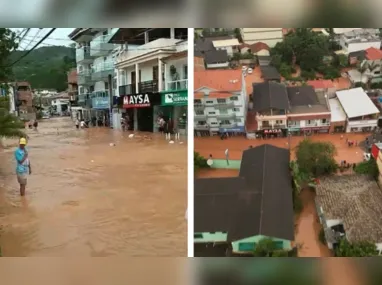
x=269, y=36
x=360, y=39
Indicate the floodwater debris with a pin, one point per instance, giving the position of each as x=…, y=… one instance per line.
x=131, y=136
x=171, y=142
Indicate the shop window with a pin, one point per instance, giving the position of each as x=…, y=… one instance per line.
x=247, y=246
x=234, y=98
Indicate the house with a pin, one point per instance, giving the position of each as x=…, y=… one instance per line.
x=216, y=59
x=373, y=57
x=356, y=57
x=309, y=111
x=175, y=91
x=362, y=115
x=220, y=102
x=360, y=39
x=141, y=75
x=270, y=106
x=350, y=207
x=321, y=85
x=230, y=45
x=259, y=49
x=270, y=73
x=338, y=116
x=269, y=36
x=223, y=206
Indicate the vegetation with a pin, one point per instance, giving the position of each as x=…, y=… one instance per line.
x=247, y=55
x=316, y=158
x=368, y=167
x=357, y=249
x=199, y=161
x=366, y=70
x=10, y=126
x=45, y=67
x=321, y=236
x=267, y=248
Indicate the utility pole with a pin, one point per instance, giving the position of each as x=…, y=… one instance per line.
x=110, y=81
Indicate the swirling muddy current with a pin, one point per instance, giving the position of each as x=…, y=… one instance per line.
x=94, y=192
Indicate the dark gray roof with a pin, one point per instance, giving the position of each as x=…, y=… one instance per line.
x=267, y=95
x=302, y=96
x=270, y=73
x=204, y=45
x=361, y=54
x=216, y=56
x=255, y=203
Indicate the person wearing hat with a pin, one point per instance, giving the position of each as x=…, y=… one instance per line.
x=23, y=168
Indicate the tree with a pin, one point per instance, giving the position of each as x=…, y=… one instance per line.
x=356, y=249
x=316, y=158
x=369, y=167
x=10, y=126
x=303, y=46
x=266, y=247
x=366, y=69
x=199, y=161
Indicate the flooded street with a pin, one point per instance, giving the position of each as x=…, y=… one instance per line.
x=308, y=228
x=87, y=198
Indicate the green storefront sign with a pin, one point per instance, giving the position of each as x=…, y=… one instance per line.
x=174, y=98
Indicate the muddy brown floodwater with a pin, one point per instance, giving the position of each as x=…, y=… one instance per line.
x=87, y=198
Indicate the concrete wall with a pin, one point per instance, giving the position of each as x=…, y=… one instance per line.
x=287, y=245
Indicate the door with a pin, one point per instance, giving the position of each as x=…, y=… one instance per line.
x=145, y=119
x=133, y=81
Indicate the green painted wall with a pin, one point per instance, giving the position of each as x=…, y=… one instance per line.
x=222, y=163
x=255, y=239
x=211, y=237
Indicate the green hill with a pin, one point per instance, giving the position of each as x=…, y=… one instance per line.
x=45, y=67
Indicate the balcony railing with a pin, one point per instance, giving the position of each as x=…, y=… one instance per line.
x=84, y=77
x=200, y=116
x=230, y=125
x=199, y=106
x=317, y=125
x=177, y=85
x=224, y=105
x=226, y=116
x=100, y=94
x=127, y=89
x=83, y=54
x=83, y=97
x=100, y=45
x=102, y=71
x=279, y=126
x=148, y=86
x=201, y=127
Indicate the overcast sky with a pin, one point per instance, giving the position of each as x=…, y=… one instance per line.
x=59, y=37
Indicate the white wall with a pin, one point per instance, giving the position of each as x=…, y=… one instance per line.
x=352, y=47
x=218, y=65
x=360, y=124
x=270, y=36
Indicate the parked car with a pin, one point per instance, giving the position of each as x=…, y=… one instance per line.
x=250, y=70
x=244, y=67
x=45, y=115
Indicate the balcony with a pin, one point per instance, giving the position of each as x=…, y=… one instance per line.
x=127, y=89
x=226, y=116
x=84, y=77
x=227, y=126
x=177, y=85
x=101, y=72
x=228, y=105
x=279, y=126
x=100, y=46
x=199, y=106
x=148, y=86
x=200, y=127
x=83, y=97
x=362, y=123
x=317, y=125
x=83, y=55
x=200, y=117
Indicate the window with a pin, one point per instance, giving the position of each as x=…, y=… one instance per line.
x=209, y=102
x=238, y=120
x=225, y=122
x=197, y=101
x=197, y=235
x=199, y=112
x=246, y=246
x=223, y=112
x=155, y=72
x=234, y=98
x=279, y=122
x=106, y=85
x=324, y=121
x=236, y=109
x=221, y=101
x=309, y=122
x=185, y=71
x=202, y=123
x=214, y=123
x=211, y=113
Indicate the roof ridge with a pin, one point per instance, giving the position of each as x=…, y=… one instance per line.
x=262, y=191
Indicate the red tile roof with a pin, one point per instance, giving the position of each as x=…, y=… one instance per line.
x=373, y=54
x=321, y=84
x=220, y=80
x=213, y=95
x=256, y=47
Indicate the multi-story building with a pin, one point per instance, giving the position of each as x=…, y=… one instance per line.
x=220, y=102
x=24, y=100
x=360, y=39
x=141, y=75
x=95, y=69
x=269, y=36
x=362, y=114
x=73, y=87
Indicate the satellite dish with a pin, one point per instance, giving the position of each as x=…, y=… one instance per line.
x=210, y=162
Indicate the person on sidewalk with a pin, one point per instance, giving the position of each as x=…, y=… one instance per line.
x=23, y=168
x=77, y=124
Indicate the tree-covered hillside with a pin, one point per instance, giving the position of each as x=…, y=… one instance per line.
x=45, y=67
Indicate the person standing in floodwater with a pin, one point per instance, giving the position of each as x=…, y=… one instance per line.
x=23, y=168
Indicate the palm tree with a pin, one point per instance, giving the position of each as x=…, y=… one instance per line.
x=366, y=69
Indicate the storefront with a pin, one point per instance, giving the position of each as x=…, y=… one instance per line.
x=235, y=131
x=100, y=114
x=316, y=130
x=174, y=107
x=140, y=110
x=269, y=133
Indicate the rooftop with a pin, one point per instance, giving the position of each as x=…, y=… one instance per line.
x=362, y=35
x=268, y=95
x=337, y=113
x=270, y=73
x=223, y=204
x=256, y=47
x=357, y=201
x=216, y=56
x=225, y=43
x=356, y=103
x=321, y=84
x=303, y=99
x=218, y=80
x=373, y=54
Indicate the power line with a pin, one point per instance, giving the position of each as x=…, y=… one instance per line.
x=32, y=40
x=29, y=51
